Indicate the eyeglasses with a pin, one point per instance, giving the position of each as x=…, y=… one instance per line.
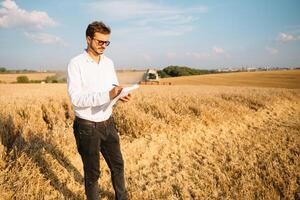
x=100, y=42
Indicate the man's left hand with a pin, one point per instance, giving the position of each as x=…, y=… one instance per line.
x=126, y=98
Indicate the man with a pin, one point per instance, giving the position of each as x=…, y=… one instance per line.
x=92, y=83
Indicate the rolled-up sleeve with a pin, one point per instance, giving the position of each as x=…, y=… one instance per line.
x=78, y=97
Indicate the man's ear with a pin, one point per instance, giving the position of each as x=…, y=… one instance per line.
x=88, y=39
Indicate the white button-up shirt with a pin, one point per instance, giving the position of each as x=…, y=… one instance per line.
x=89, y=84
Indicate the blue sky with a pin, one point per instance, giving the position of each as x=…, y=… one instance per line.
x=202, y=34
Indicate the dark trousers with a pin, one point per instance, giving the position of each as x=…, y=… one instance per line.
x=91, y=138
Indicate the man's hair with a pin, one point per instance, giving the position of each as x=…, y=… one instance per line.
x=97, y=27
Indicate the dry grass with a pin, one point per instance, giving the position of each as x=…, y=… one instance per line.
x=178, y=142
x=278, y=79
x=10, y=78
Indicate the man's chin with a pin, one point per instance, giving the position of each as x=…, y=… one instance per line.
x=100, y=52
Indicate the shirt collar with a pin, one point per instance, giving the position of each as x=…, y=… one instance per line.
x=88, y=57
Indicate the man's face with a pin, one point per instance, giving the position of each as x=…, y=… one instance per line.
x=98, y=42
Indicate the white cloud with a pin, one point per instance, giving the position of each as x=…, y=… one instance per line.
x=154, y=31
x=286, y=37
x=11, y=16
x=45, y=38
x=218, y=50
x=148, y=16
x=126, y=9
x=271, y=51
x=198, y=55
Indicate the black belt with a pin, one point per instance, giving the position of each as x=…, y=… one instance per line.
x=88, y=122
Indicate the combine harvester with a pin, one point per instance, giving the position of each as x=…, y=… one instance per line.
x=151, y=78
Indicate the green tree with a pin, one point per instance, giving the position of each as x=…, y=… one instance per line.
x=2, y=69
x=162, y=74
x=22, y=79
x=174, y=71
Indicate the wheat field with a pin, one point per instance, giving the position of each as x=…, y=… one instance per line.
x=178, y=142
x=278, y=79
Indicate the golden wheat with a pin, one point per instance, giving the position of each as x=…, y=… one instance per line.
x=278, y=79
x=178, y=142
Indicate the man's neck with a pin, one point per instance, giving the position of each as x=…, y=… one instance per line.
x=96, y=57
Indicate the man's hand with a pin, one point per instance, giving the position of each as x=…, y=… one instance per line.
x=115, y=92
x=126, y=98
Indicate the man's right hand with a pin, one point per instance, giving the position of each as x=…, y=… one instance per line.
x=115, y=92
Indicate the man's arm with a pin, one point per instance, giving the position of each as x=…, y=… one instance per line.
x=78, y=97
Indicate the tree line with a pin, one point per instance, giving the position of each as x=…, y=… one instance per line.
x=174, y=71
x=8, y=71
x=49, y=79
